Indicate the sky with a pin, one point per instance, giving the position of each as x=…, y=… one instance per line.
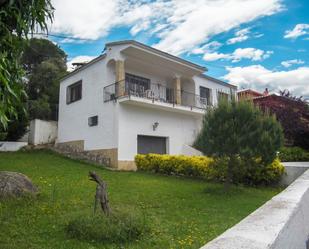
x=250, y=43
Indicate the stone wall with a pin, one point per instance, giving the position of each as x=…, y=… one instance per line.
x=75, y=149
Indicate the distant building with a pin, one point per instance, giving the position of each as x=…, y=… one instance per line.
x=246, y=94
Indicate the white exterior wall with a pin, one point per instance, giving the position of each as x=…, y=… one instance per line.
x=11, y=146
x=42, y=132
x=201, y=81
x=120, y=123
x=73, y=117
x=179, y=128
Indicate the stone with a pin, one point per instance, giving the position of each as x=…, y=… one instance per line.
x=14, y=184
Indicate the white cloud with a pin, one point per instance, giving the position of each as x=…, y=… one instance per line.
x=194, y=23
x=251, y=54
x=209, y=47
x=299, y=30
x=259, y=77
x=239, y=54
x=181, y=25
x=240, y=36
x=292, y=62
x=71, y=40
x=215, y=56
x=78, y=59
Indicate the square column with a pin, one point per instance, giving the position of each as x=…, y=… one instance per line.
x=120, y=78
x=178, y=90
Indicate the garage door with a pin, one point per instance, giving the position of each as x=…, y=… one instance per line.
x=150, y=144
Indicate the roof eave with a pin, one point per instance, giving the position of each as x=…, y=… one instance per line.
x=157, y=51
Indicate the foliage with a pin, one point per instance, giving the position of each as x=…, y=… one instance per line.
x=292, y=113
x=293, y=154
x=239, y=130
x=44, y=63
x=18, y=18
x=250, y=172
x=17, y=125
x=181, y=212
x=118, y=227
x=197, y=166
x=287, y=94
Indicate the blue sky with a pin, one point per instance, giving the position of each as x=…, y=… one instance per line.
x=250, y=43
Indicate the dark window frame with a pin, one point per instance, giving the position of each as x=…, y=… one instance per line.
x=73, y=97
x=223, y=96
x=141, y=83
x=93, y=121
x=208, y=92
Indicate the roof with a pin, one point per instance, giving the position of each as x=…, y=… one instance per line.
x=249, y=90
x=157, y=51
x=141, y=45
x=223, y=83
x=100, y=57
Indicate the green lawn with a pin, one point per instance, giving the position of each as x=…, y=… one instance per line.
x=182, y=213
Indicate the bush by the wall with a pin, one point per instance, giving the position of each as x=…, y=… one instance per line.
x=251, y=172
x=293, y=154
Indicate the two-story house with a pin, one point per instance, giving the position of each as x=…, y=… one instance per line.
x=135, y=99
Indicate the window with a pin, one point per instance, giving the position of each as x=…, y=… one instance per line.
x=205, y=95
x=74, y=92
x=93, y=121
x=222, y=96
x=136, y=84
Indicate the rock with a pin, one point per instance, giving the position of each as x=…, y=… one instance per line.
x=13, y=184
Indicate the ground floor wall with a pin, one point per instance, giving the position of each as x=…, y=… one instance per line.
x=179, y=129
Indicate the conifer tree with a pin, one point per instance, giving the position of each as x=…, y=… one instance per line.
x=236, y=130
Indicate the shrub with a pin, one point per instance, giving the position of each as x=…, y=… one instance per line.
x=236, y=130
x=250, y=172
x=293, y=154
x=197, y=166
x=17, y=126
x=117, y=227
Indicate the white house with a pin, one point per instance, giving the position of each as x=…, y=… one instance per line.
x=135, y=99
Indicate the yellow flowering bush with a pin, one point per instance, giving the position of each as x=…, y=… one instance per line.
x=250, y=172
x=177, y=165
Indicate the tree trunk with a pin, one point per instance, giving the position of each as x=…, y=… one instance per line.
x=101, y=193
x=229, y=175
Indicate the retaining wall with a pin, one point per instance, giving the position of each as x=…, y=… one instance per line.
x=281, y=223
x=11, y=146
x=42, y=132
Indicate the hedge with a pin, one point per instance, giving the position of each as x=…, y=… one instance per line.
x=249, y=172
x=293, y=154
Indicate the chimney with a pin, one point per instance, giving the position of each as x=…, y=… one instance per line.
x=265, y=93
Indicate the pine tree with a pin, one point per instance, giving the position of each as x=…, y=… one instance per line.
x=236, y=130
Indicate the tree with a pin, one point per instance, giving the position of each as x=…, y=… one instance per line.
x=292, y=113
x=17, y=125
x=45, y=64
x=236, y=130
x=18, y=18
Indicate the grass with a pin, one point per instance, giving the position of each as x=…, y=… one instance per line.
x=182, y=213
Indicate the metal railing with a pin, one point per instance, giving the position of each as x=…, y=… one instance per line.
x=154, y=92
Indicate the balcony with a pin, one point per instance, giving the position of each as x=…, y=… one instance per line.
x=157, y=95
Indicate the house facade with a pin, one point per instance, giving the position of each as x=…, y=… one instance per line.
x=135, y=99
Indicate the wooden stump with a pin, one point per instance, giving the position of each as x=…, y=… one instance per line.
x=101, y=193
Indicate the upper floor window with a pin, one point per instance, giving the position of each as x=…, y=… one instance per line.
x=223, y=96
x=136, y=84
x=74, y=92
x=205, y=95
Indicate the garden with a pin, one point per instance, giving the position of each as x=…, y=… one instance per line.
x=171, y=211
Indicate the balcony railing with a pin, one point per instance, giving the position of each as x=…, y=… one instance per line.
x=154, y=92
